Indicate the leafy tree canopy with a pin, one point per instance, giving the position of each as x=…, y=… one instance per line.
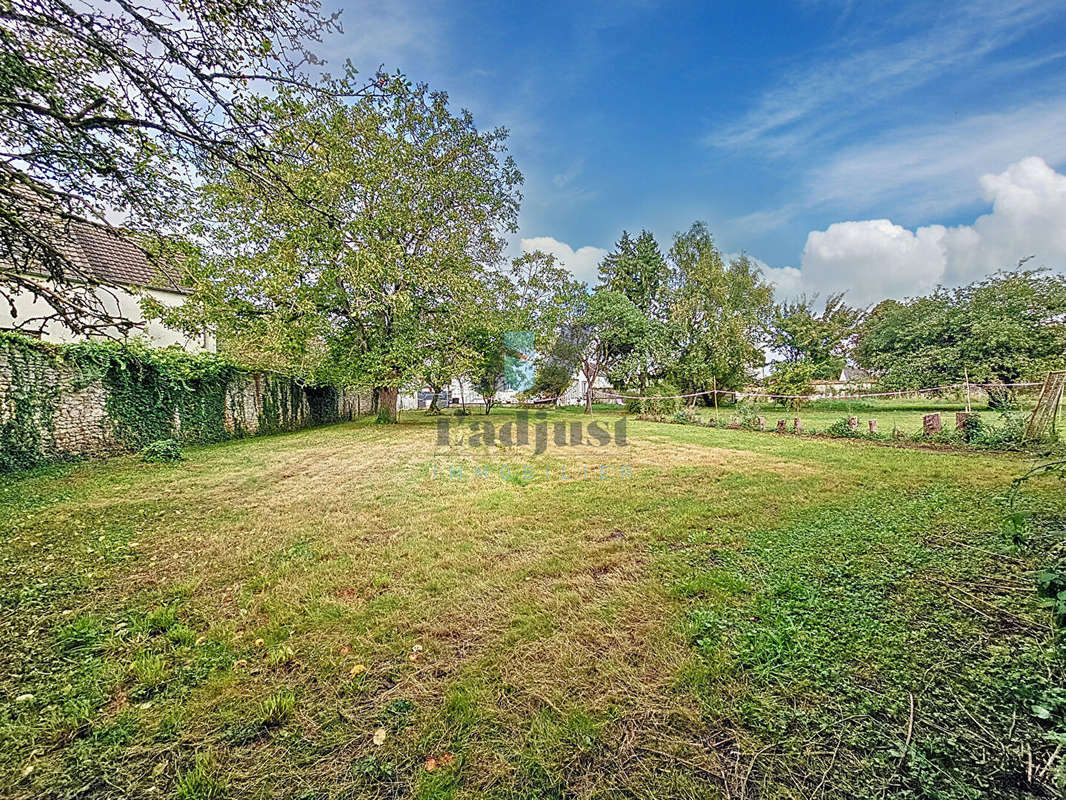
x=1009, y=327
x=718, y=315
x=637, y=269
x=608, y=326
x=115, y=107
x=410, y=202
x=801, y=333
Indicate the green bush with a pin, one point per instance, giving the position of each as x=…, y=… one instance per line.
x=649, y=404
x=685, y=416
x=749, y=415
x=791, y=379
x=163, y=451
x=842, y=430
x=1008, y=435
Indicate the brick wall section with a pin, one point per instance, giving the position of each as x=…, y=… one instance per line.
x=60, y=410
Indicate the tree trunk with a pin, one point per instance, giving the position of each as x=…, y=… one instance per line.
x=588, y=398
x=489, y=401
x=386, y=398
x=433, y=407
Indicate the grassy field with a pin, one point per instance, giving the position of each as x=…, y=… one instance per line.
x=356, y=611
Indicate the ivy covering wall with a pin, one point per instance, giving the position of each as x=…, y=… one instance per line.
x=94, y=398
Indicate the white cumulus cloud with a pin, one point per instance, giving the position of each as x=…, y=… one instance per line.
x=582, y=262
x=874, y=259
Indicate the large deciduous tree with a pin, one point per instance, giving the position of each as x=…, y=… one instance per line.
x=818, y=339
x=411, y=203
x=110, y=109
x=718, y=314
x=1006, y=328
x=607, y=325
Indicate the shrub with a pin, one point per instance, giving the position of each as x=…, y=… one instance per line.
x=685, y=416
x=971, y=427
x=648, y=404
x=749, y=415
x=791, y=379
x=162, y=451
x=841, y=429
x=1001, y=397
x=1008, y=435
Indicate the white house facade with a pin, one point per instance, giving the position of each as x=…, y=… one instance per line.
x=126, y=277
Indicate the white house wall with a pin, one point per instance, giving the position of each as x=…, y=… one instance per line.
x=117, y=301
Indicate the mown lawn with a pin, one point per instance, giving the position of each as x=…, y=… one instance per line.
x=324, y=615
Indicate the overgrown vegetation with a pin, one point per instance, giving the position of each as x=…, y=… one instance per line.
x=1005, y=328
x=151, y=394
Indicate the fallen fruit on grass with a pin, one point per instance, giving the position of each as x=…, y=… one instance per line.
x=259, y=643
x=431, y=764
x=358, y=669
x=379, y=736
x=345, y=650
x=446, y=759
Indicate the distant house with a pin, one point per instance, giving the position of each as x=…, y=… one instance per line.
x=126, y=276
x=851, y=380
x=856, y=375
x=575, y=392
x=461, y=391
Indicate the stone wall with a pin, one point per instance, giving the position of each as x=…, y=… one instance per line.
x=62, y=401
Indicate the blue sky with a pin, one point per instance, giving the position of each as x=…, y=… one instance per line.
x=847, y=145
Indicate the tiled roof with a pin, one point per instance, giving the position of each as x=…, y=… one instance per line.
x=854, y=374
x=109, y=258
